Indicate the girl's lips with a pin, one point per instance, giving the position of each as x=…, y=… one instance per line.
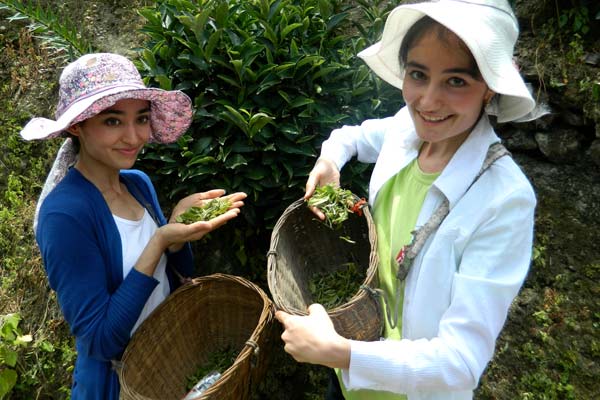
x=128, y=152
x=433, y=118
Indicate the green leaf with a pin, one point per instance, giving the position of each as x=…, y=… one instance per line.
x=212, y=44
x=8, y=379
x=290, y=28
x=164, y=82
x=258, y=121
x=323, y=72
x=285, y=96
x=301, y=101
x=336, y=20
x=232, y=115
x=221, y=15
x=8, y=356
x=236, y=161
x=201, y=160
x=315, y=61
x=326, y=8
x=256, y=173
x=227, y=79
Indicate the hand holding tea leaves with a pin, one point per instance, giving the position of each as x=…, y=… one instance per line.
x=173, y=236
x=176, y=234
x=205, y=212
x=205, y=206
x=335, y=203
x=325, y=172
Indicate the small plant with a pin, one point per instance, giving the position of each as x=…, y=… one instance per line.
x=576, y=49
x=575, y=20
x=10, y=339
x=56, y=32
x=590, y=86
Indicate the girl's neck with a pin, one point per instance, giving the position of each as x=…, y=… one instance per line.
x=434, y=156
x=106, y=181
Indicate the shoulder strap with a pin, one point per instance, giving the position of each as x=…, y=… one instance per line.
x=420, y=235
x=408, y=253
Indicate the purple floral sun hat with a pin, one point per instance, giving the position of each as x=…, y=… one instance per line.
x=95, y=82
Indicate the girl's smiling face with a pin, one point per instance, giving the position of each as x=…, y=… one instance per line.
x=112, y=139
x=442, y=89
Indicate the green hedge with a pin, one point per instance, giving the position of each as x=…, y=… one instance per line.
x=269, y=81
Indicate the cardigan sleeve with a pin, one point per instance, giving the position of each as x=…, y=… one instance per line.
x=77, y=269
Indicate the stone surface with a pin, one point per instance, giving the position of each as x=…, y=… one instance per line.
x=562, y=145
x=595, y=152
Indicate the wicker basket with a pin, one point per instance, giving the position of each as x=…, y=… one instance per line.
x=210, y=313
x=302, y=246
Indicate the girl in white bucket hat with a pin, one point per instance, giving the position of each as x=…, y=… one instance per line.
x=109, y=252
x=454, y=213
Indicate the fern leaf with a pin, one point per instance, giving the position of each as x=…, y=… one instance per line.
x=57, y=33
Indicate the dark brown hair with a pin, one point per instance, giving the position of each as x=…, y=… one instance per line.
x=426, y=25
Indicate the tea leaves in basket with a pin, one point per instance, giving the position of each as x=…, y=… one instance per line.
x=218, y=360
x=209, y=210
x=334, y=202
x=332, y=289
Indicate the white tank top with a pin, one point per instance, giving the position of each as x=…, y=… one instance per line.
x=135, y=235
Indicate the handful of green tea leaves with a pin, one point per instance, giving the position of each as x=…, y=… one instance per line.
x=332, y=289
x=207, y=211
x=334, y=202
x=218, y=360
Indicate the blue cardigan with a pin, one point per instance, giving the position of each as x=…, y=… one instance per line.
x=81, y=251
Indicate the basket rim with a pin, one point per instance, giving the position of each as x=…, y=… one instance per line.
x=251, y=346
x=370, y=276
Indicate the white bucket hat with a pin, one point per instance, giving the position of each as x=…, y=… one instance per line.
x=489, y=29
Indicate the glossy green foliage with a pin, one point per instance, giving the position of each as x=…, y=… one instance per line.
x=269, y=80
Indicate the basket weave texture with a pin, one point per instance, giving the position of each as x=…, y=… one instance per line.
x=201, y=317
x=302, y=246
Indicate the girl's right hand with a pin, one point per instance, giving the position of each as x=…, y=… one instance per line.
x=176, y=234
x=324, y=172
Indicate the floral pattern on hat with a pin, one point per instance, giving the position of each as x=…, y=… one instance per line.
x=92, y=74
x=170, y=111
x=97, y=81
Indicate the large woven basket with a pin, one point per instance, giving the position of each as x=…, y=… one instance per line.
x=210, y=313
x=302, y=246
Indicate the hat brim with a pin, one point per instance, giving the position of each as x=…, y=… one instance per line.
x=170, y=113
x=499, y=73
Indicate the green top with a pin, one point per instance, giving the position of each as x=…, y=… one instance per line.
x=396, y=210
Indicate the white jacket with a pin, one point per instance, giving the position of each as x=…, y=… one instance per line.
x=462, y=283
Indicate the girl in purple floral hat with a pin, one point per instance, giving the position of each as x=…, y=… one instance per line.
x=109, y=252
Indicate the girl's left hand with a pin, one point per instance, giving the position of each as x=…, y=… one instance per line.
x=313, y=339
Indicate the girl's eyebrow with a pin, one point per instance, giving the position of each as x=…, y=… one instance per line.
x=119, y=112
x=417, y=65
